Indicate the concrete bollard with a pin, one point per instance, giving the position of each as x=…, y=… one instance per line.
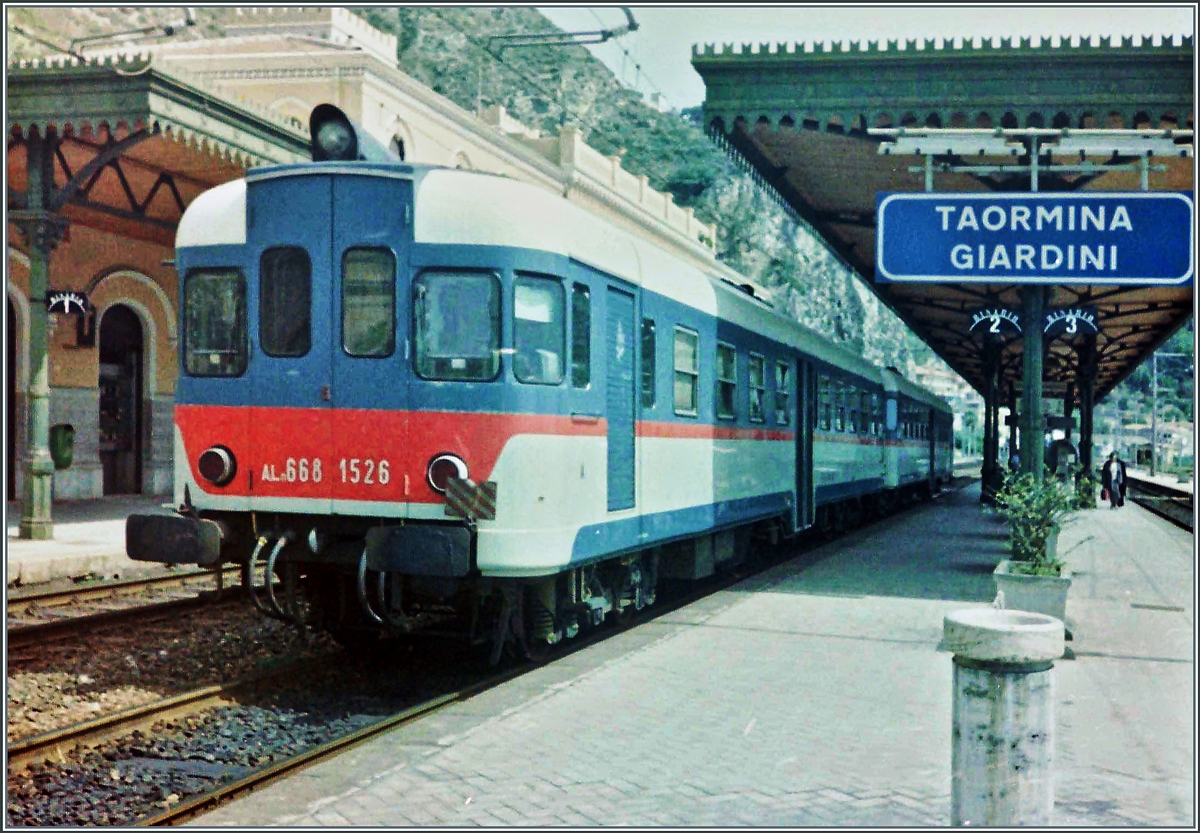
x=1003, y=733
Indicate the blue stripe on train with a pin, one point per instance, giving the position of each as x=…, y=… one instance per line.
x=839, y=491
x=604, y=539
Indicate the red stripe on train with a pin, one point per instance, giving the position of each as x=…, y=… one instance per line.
x=376, y=455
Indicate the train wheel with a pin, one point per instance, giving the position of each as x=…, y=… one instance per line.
x=541, y=632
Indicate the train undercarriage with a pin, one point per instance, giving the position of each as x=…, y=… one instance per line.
x=334, y=575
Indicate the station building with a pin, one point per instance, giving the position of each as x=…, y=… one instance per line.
x=130, y=141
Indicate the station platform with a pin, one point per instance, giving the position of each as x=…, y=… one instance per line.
x=815, y=694
x=88, y=542
x=1169, y=480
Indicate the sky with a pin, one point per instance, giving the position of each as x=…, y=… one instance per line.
x=657, y=57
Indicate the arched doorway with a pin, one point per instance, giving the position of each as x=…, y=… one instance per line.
x=10, y=438
x=121, y=400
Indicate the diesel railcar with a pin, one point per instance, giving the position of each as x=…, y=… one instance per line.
x=428, y=400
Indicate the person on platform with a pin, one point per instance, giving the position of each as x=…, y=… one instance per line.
x=1114, y=481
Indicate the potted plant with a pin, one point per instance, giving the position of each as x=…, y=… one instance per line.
x=1035, y=578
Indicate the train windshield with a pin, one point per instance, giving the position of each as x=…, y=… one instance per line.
x=285, y=301
x=457, y=326
x=215, y=323
x=368, y=302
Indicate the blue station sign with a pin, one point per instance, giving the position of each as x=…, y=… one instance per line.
x=1082, y=238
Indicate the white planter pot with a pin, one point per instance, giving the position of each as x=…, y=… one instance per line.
x=1035, y=594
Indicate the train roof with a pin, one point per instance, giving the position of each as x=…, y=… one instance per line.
x=461, y=207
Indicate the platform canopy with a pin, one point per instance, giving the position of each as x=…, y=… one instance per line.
x=806, y=125
x=134, y=143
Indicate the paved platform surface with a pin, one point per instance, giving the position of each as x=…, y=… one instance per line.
x=815, y=694
x=89, y=541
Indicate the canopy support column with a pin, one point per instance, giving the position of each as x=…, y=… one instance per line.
x=1033, y=309
x=1087, y=401
x=41, y=231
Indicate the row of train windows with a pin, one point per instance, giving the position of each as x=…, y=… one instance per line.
x=456, y=319
x=456, y=324
x=843, y=406
x=914, y=422
x=686, y=395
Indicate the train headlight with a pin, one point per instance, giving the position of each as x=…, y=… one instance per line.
x=217, y=465
x=442, y=468
x=334, y=139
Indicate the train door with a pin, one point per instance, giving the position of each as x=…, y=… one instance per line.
x=370, y=380
x=620, y=355
x=806, y=418
x=120, y=422
x=290, y=371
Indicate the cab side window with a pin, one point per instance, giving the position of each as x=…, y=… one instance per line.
x=539, y=330
x=648, y=363
x=581, y=336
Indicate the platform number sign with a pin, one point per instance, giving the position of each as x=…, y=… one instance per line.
x=995, y=321
x=1070, y=321
x=66, y=302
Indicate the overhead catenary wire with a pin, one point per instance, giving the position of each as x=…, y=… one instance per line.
x=649, y=168
x=742, y=165
x=641, y=72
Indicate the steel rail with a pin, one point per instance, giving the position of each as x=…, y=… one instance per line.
x=52, y=745
x=103, y=591
x=1174, y=505
x=193, y=808
x=256, y=780
x=58, y=630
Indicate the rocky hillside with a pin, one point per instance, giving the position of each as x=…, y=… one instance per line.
x=448, y=49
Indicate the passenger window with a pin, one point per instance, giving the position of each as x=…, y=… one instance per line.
x=758, y=389
x=456, y=325
x=648, y=343
x=726, y=382
x=687, y=372
x=369, y=302
x=839, y=414
x=581, y=336
x=214, y=309
x=538, y=330
x=783, y=414
x=285, y=302
x=825, y=403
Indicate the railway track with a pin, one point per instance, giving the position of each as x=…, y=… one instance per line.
x=115, y=602
x=57, y=746
x=1175, y=505
x=189, y=810
x=27, y=752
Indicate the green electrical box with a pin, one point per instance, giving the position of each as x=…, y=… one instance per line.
x=62, y=445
